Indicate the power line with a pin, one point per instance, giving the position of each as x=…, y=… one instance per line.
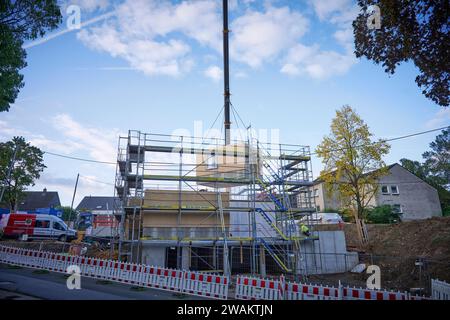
x=313, y=153
x=388, y=140
x=78, y=158
x=95, y=180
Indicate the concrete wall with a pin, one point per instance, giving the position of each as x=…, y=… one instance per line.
x=417, y=198
x=239, y=221
x=154, y=255
x=327, y=255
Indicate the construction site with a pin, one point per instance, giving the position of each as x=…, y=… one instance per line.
x=195, y=203
x=202, y=215
x=220, y=205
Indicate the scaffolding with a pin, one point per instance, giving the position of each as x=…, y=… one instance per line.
x=199, y=194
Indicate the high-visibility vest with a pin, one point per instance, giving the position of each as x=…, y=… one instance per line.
x=304, y=229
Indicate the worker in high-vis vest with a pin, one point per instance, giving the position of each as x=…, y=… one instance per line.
x=305, y=230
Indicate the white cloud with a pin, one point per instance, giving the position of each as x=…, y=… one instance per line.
x=440, y=119
x=146, y=34
x=317, y=63
x=214, y=72
x=72, y=138
x=241, y=74
x=261, y=36
x=326, y=8
x=90, y=5
x=99, y=143
x=142, y=34
x=314, y=62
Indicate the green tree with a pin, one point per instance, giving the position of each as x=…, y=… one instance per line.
x=19, y=21
x=438, y=158
x=68, y=214
x=435, y=170
x=27, y=168
x=416, y=31
x=352, y=161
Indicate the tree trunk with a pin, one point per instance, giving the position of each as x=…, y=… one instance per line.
x=361, y=226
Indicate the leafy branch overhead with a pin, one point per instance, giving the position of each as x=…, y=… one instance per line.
x=416, y=31
x=20, y=21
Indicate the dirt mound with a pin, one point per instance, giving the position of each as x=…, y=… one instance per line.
x=428, y=238
x=409, y=253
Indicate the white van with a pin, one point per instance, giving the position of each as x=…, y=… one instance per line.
x=48, y=226
x=38, y=226
x=323, y=218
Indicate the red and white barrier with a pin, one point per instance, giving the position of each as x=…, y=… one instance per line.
x=189, y=282
x=249, y=288
x=366, y=294
x=208, y=285
x=298, y=291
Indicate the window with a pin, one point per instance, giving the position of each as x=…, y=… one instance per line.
x=397, y=208
x=384, y=190
x=212, y=162
x=394, y=189
x=58, y=226
x=316, y=192
x=42, y=224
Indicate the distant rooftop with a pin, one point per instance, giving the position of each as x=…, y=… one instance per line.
x=33, y=200
x=96, y=203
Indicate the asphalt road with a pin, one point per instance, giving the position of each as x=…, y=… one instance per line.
x=28, y=283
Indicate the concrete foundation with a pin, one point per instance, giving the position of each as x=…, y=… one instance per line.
x=327, y=255
x=154, y=256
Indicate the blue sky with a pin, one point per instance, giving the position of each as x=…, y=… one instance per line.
x=156, y=66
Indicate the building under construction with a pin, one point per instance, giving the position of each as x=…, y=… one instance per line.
x=195, y=203
x=219, y=205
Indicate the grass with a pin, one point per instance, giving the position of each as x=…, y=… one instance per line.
x=10, y=266
x=180, y=295
x=103, y=282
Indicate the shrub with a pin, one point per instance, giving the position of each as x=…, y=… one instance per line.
x=382, y=214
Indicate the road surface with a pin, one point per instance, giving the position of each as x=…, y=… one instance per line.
x=26, y=283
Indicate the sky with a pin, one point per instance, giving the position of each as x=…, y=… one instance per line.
x=156, y=66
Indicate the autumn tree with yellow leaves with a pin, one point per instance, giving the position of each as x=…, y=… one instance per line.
x=353, y=162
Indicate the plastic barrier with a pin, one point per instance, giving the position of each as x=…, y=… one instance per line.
x=189, y=282
x=440, y=289
x=366, y=294
x=249, y=288
x=298, y=291
x=208, y=285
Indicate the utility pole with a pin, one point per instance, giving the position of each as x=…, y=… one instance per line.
x=71, y=205
x=226, y=73
x=8, y=175
x=73, y=197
